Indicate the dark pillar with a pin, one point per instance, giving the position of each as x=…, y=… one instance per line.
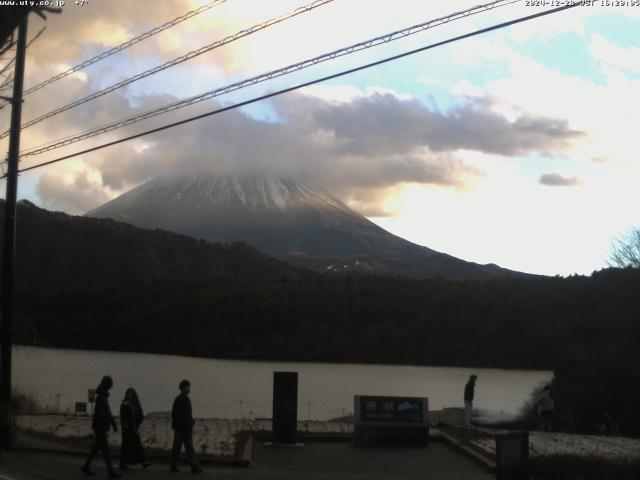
x=8, y=253
x=285, y=407
x=512, y=456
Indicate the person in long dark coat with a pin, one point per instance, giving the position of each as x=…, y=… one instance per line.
x=102, y=420
x=131, y=416
x=182, y=423
x=469, y=390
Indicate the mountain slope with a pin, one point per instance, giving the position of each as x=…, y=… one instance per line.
x=289, y=220
x=59, y=252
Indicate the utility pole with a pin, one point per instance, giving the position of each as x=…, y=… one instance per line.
x=8, y=252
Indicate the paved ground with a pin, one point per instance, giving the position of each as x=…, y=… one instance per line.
x=335, y=461
x=344, y=461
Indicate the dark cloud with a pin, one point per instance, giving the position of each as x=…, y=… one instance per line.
x=557, y=180
x=384, y=123
x=369, y=144
x=235, y=143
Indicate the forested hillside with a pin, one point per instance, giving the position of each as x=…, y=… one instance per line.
x=88, y=283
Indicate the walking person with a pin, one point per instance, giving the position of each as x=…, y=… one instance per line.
x=131, y=416
x=182, y=423
x=545, y=409
x=469, y=390
x=102, y=420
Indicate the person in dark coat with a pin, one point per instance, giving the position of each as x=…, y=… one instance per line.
x=131, y=416
x=182, y=424
x=469, y=390
x=545, y=409
x=102, y=420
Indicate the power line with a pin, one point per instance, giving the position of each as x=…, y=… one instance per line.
x=8, y=65
x=303, y=85
x=268, y=76
x=51, y=145
x=8, y=83
x=36, y=37
x=125, y=45
x=171, y=63
x=8, y=46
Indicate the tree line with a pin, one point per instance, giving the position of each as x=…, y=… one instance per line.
x=98, y=284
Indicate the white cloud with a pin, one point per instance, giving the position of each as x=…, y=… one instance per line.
x=609, y=53
x=70, y=191
x=607, y=112
x=467, y=89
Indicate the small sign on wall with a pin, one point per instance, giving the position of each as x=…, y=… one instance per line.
x=391, y=420
x=392, y=409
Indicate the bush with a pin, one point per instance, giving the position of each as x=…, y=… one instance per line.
x=23, y=404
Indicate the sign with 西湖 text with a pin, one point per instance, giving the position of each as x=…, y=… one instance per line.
x=392, y=409
x=391, y=420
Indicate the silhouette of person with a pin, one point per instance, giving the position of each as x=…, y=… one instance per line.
x=182, y=424
x=102, y=420
x=469, y=390
x=131, y=416
x=545, y=409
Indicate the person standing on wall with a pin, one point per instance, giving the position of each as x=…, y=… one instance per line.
x=545, y=409
x=182, y=423
x=469, y=390
x=102, y=420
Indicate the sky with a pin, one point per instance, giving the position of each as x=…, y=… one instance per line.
x=517, y=147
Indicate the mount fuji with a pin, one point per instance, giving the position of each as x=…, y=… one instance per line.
x=290, y=220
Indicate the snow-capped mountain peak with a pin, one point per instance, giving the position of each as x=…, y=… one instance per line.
x=197, y=192
x=285, y=218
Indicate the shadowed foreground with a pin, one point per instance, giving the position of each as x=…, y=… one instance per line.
x=314, y=461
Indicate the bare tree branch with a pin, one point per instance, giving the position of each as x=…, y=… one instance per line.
x=625, y=251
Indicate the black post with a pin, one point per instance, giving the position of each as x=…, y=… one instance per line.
x=8, y=253
x=285, y=408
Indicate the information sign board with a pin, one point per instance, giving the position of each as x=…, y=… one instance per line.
x=391, y=420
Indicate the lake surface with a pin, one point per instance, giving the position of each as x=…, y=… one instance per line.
x=233, y=389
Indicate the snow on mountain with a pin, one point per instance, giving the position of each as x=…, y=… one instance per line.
x=195, y=192
x=285, y=218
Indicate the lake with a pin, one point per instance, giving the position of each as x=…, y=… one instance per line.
x=233, y=389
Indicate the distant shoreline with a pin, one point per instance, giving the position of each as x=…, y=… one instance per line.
x=306, y=362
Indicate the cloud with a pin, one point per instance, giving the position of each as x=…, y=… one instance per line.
x=70, y=192
x=371, y=141
x=79, y=32
x=609, y=53
x=235, y=143
x=367, y=143
x=605, y=108
x=357, y=144
x=382, y=122
x=557, y=180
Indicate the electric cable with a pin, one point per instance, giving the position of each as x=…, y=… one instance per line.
x=176, y=61
x=125, y=45
x=305, y=84
x=382, y=39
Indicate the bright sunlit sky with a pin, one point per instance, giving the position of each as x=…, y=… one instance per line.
x=518, y=147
